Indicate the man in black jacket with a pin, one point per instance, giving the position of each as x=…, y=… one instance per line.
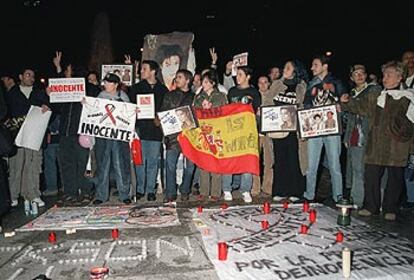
x=72, y=156
x=149, y=131
x=181, y=96
x=26, y=165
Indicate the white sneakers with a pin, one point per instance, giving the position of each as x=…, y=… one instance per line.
x=293, y=198
x=39, y=201
x=277, y=198
x=228, y=196
x=247, y=197
x=14, y=203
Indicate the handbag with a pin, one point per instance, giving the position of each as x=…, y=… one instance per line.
x=136, y=150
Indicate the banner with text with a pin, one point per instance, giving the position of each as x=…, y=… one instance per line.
x=275, y=246
x=104, y=118
x=225, y=142
x=67, y=90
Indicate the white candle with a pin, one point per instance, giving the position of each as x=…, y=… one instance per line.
x=346, y=262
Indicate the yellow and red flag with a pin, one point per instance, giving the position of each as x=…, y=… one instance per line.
x=226, y=140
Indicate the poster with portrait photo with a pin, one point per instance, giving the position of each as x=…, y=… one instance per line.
x=176, y=120
x=318, y=121
x=278, y=118
x=172, y=51
x=124, y=71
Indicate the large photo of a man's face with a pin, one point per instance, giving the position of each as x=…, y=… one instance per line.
x=172, y=52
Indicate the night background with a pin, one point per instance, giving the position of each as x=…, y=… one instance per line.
x=369, y=32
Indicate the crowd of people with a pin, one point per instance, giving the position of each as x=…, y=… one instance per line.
x=377, y=136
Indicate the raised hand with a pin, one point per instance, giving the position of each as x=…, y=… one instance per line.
x=213, y=55
x=57, y=60
x=127, y=59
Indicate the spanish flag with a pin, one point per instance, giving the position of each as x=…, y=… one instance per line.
x=226, y=140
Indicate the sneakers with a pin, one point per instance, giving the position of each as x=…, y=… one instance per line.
x=247, y=197
x=39, y=201
x=294, y=199
x=390, y=216
x=228, y=196
x=14, y=203
x=277, y=198
x=364, y=213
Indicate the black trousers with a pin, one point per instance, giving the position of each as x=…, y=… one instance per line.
x=392, y=193
x=73, y=159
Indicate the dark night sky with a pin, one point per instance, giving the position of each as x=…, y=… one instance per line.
x=369, y=32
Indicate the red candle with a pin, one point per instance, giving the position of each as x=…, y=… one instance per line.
x=312, y=216
x=52, y=237
x=286, y=205
x=224, y=206
x=200, y=209
x=305, y=206
x=266, y=207
x=222, y=251
x=115, y=233
x=304, y=229
x=265, y=224
x=339, y=236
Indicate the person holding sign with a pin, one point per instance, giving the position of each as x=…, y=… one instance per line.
x=72, y=156
x=244, y=93
x=210, y=97
x=289, y=153
x=113, y=152
x=149, y=130
x=323, y=89
x=26, y=165
x=179, y=97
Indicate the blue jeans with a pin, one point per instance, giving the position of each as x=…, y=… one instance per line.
x=50, y=157
x=355, y=173
x=118, y=154
x=333, y=151
x=171, y=172
x=146, y=173
x=245, y=179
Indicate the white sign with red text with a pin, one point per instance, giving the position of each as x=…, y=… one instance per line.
x=67, y=90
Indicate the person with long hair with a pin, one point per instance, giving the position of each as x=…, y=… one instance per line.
x=289, y=152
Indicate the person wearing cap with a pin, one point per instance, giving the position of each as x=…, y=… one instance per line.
x=112, y=152
x=356, y=134
x=389, y=140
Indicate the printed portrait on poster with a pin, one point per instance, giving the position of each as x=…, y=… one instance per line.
x=278, y=118
x=124, y=71
x=171, y=51
x=318, y=121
